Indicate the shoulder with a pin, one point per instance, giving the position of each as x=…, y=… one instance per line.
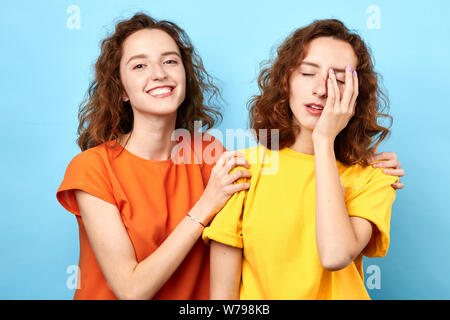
x=93, y=158
x=259, y=157
x=88, y=171
x=256, y=154
x=357, y=177
x=93, y=155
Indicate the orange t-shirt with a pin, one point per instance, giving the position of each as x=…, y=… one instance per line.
x=152, y=198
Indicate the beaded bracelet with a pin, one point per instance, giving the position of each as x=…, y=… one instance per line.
x=196, y=220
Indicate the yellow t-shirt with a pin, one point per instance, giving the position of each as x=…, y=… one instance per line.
x=274, y=223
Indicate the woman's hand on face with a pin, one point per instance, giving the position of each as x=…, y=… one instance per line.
x=221, y=185
x=389, y=161
x=337, y=112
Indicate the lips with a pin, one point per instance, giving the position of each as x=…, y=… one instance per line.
x=314, y=108
x=161, y=91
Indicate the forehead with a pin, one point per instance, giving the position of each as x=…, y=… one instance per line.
x=152, y=42
x=326, y=52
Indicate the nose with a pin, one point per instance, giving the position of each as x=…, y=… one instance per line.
x=158, y=72
x=320, y=86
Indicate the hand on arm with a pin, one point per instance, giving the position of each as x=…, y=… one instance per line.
x=393, y=166
x=340, y=238
x=221, y=184
x=114, y=251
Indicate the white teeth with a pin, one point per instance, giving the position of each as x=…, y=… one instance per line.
x=160, y=91
x=317, y=108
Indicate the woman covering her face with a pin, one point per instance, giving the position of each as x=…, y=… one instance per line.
x=315, y=205
x=140, y=210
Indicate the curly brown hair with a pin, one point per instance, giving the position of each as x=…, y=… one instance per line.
x=270, y=110
x=104, y=116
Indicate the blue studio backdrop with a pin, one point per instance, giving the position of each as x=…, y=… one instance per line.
x=46, y=64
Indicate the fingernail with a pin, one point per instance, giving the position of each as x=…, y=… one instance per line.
x=349, y=68
x=331, y=70
x=355, y=73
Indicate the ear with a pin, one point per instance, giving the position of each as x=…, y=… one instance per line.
x=125, y=98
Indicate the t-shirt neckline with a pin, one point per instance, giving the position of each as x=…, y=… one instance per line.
x=298, y=155
x=140, y=159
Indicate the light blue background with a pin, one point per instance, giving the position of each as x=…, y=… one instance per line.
x=45, y=69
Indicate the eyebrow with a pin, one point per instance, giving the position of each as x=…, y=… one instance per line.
x=315, y=65
x=144, y=56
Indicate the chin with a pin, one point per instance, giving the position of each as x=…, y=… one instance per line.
x=163, y=111
x=308, y=125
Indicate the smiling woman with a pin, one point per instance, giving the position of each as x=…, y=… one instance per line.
x=159, y=60
x=104, y=116
x=140, y=215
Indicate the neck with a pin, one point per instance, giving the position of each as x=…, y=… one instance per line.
x=151, y=137
x=303, y=142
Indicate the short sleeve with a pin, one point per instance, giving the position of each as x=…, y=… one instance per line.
x=226, y=227
x=87, y=172
x=373, y=201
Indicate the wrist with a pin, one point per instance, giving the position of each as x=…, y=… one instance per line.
x=196, y=220
x=322, y=141
x=202, y=211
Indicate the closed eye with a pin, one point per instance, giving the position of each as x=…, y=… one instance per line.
x=170, y=62
x=307, y=74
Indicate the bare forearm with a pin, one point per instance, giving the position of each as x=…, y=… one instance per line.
x=151, y=274
x=225, y=274
x=334, y=231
